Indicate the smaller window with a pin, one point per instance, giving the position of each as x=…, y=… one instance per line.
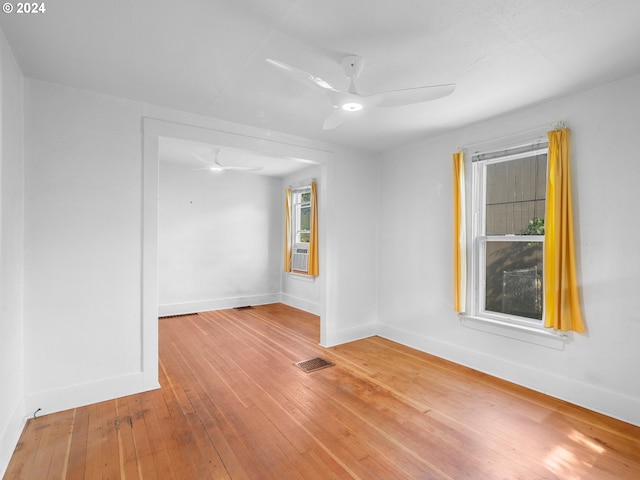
x=301, y=228
x=302, y=215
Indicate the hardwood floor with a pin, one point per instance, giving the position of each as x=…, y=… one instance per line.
x=233, y=405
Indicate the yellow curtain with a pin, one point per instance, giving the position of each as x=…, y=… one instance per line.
x=287, y=233
x=562, y=305
x=313, y=265
x=460, y=235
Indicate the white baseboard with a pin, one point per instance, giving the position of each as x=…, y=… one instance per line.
x=350, y=334
x=589, y=396
x=85, y=394
x=10, y=436
x=300, y=303
x=217, y=304
x=224, y=303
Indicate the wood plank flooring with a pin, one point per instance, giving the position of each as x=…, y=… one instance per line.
x=234, y=406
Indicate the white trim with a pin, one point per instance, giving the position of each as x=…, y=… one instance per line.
x=225, y=303
x=201, y=129
x=149, y=256
x=302, y=185
x=510, y=140
x=301, y=276
x=338, y=337
x=510, y=329
x=216, y=304
x=74, y=396
x=300, y=303
x=509, y=154
x=586, y=395
x=10, y=436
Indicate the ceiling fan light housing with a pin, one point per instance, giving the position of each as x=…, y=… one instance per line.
x=352, y=106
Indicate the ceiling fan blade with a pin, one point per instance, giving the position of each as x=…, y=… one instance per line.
x=213, y=166
x=301, y=76
x=337, y=118
x=217, y=167
x=201, y=158
x=396, y=98
x=242, y=168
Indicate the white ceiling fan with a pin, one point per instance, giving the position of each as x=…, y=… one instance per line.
x=215, y=165
x=350, y=101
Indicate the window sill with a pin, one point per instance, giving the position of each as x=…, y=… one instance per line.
x=524, y=333
x=305, y=277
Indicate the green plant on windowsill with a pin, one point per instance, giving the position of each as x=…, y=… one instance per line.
x=535, y=227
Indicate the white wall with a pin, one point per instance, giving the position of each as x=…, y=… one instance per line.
x=12, y=410
x=301, y=291
x=353, y=250
x=82, y=246
x=219, y=239
x=596, y=370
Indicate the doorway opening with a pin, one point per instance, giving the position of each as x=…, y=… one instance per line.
x=157, y=133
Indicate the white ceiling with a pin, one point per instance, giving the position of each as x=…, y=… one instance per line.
x=207, y=56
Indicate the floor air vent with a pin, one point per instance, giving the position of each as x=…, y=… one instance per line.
x=177, y=315
x=314, y=364
x=245, y=307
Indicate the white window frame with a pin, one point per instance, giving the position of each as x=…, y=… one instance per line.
x=480, y=239
x=296, y=211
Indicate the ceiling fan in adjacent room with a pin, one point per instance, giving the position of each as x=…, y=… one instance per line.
x=214, y=164
x=346, y=103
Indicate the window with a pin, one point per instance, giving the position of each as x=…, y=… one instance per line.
x=302, y=215
x=301, y=230
x=509, y=189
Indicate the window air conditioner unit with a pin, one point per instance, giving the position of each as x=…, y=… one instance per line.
x=300, y=258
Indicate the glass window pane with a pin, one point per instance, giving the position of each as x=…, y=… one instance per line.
x=304, y=237
x=305, y=197
x=515, y=196
x=305, y=218
x=513, y=278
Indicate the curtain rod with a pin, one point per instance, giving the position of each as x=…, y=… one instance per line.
x=302, y=184
x=516, y=136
